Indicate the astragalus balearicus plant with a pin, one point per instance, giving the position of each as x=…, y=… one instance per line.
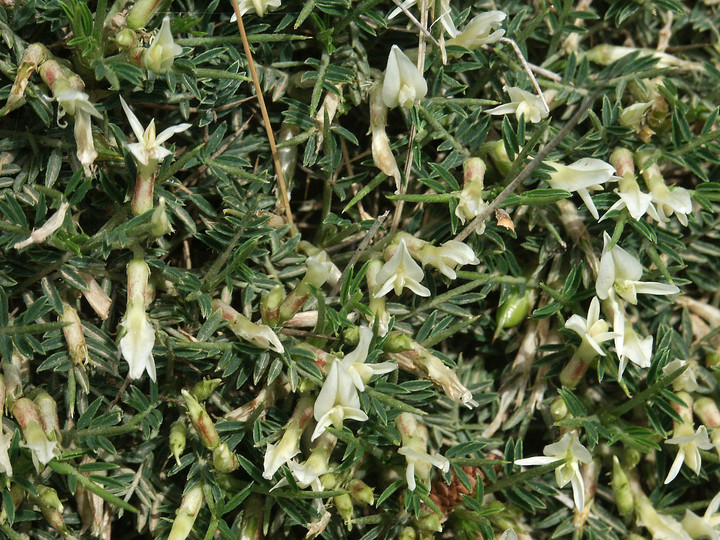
x=374, y=269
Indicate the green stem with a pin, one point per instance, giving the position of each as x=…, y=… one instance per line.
x=237, y=171
x=459, y=148
x=392, y=402
x=132, y=425
x=223, y=40
x=100, y=10
x=521, y=478
x=220, y=74
x=66, y=469
x=643, y=396
x=32, y=328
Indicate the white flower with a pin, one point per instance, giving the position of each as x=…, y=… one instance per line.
x=137, y=342
x=5, y=440
x=569, y=449
x=282, y=452
x=619, y=273
x=630, y=346
x=308, y=474
x=508, y=534
x=255, y=6
x=689, y=446
x=403, y=83
x=148, y=151
x=354, y=363
x=637, y=203
x=77, y=104
x=42, y=449
x=592, y=330
x=686, y=381
x=581, y=176
x=669, y=202
x=479, y=31
x=320, y=269
x=257, y=334
x=470, y=203
x=416, y=457
x=522, y=102
x=446, y=257
x=337, y=401
x=138, y=335
x=400, y=271
x=159, y=57
x=661, y=526
x=706, y=526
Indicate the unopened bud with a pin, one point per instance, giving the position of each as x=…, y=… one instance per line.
x=633, y=116
x=430, y=523
x=622, y=160
x=177, y=439
x=159, y=221
x=621, y=488
x=51, y=508
x=499, y=156
x=408, y=533
x=351, y=336
x=47, y=409
x=361, y=493
x=630, y=458
x=77, y=348
x=202, y=390
x=224, y=460
x=201, y=421
x=126, y=39
x=270, y=305
x=708, y=412
x=344, y=506
x=397, y=342
x=558, y=409
x=141, y=13
x=186, y=514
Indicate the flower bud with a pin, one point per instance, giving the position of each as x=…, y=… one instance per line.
x=257, y=334
x=141, y=13
x=159, y=221
x=408, y=533
x=344, y=505
x=201, y=421
x=622, y=160
x=126, y=39
x=47, y=409
x=202, y=390
x=251, y=525
x=558, y=409
x=397, y=342
x=383, y=156
x=51, y=508
x=177, y=439
x=621, y=488
x=77, y=347
x=224, y=460
x=377, y=304
x=361, y=493
x=186, y=514
x=270, y=305
x=43, y=450
x=499, y=156
x=430, y=522
x=633, y=117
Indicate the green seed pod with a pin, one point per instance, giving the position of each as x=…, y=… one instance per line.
x=202, y=422
x=512, y=311
x=344, y=505
x=621, y=489
x=361, y=493
x=178, y=439
x=224, y=460
x=397, y=342
x=186, y=514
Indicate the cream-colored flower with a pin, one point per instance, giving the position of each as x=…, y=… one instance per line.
x=159, y=57
x=480, y=31
x=686, y=382
x=321, y=270
x=619, y=274
x=138, y=334
x=416, y=456
x=569, y=449
x=630, y=346
x=521, y=103
x=707, y=526
x=5, y=440
x=637, y=203
x=260, y=7
x=668, y=202
x=399, y=272
x=447, y=256
x=581, y=176
x=403, y=83
x=278, y=454
x=338, y=400
x=689, y=446
x=77, y=104
x=592, y=330
x=148, y=151
x=354, y=363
